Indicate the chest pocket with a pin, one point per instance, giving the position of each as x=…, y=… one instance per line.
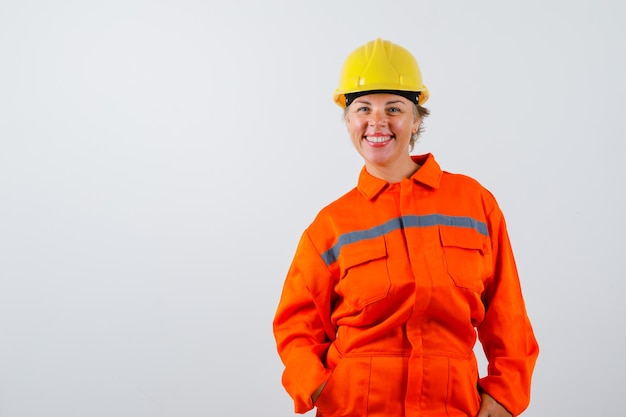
x=467, y=257
x=364, y=273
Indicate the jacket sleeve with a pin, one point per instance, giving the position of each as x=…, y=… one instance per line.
x=506, y=333
x=302, y=326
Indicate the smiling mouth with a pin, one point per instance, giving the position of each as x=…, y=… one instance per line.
x=378, y=139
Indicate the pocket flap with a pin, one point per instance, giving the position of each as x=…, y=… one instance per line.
x=362, y=251
x=463, y=237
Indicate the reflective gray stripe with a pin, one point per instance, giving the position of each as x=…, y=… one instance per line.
x=427, y=220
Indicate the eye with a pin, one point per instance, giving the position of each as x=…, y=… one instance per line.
x=394, y=110
x=362, y=109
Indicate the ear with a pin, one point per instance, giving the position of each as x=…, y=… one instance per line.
x=416, y=124
x=346, y=121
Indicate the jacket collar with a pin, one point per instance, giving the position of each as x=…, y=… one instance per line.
x=429, y=174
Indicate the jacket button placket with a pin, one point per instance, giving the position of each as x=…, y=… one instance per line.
x=417, y=248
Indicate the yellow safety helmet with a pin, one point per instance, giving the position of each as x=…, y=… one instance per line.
x=382, y=66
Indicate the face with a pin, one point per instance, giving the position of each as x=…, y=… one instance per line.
x=380, y=126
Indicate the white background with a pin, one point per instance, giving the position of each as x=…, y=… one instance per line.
x=159, y=160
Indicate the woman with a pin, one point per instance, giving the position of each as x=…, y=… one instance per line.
x=392, y=282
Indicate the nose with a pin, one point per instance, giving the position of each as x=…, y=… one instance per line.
x=377, y=118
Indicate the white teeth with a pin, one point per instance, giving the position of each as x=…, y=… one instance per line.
x=377, y=139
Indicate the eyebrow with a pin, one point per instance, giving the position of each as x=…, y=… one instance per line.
x=358, y=100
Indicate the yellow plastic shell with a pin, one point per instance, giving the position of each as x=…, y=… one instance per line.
x=380, y=65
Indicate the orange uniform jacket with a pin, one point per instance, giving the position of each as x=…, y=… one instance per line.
x=387, y=291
